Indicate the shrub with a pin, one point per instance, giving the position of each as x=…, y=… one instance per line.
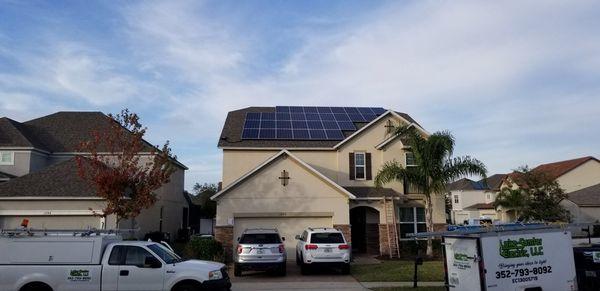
x=204, y=249
x=408, y=249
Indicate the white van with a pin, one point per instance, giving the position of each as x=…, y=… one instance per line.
x=101, y=262
x=509, y=258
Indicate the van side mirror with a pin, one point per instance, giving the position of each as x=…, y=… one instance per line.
x=283, y=238
x=152, y=262
x=238, y=239
x=297, y=237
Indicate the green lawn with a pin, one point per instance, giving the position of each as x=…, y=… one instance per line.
x=411, y=288
x=399, y=271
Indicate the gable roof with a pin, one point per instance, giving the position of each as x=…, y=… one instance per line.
x=465, y=184
x=373, y=192
x=589, y=196
x=231, y=134
x=268, y=162
x=557, y=169
x=58, y=180
x=495, y=181
x=12, y=134
x=61, y=132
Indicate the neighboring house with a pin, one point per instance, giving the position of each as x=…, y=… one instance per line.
x=40, y=182
x=298, y=167
x=579, y=179
x=474, y=199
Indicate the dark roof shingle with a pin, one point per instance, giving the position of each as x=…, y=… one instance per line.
x=589, y=196
x=58, y=180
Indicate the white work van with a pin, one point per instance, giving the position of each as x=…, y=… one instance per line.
x=100, y=262
x=509, y=258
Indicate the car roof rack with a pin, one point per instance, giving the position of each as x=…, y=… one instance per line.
x=476, y=229
x=70, y=232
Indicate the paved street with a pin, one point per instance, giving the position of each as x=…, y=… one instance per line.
x=326, y=279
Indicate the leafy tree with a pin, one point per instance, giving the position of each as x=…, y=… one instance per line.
x=540, y=196
x=435, y=167
x=202, y=194
x=511, y=200
x=124, y=168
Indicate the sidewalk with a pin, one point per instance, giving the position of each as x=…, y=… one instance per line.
x=370, y=285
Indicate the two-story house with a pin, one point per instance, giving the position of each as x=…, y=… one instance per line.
x=40, y=182
x=296, y=167
x=474, y=199
x=580, y=179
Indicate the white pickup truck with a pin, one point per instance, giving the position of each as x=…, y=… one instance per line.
x=100, y=262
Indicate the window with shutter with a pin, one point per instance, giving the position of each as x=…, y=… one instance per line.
x=351, y=163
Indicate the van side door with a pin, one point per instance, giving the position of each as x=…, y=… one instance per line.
x=138, y=269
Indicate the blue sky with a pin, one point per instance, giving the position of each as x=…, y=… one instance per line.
x=517, y=82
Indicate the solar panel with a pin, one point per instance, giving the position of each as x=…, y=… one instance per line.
x=300, y=134
x=306, y=122
x=334, y=134
x=284, y=134
x=250, y=134
x=317, y=134
x=266, y=133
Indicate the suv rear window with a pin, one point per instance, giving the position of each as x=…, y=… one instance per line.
x=327, y=238
x=260, y=238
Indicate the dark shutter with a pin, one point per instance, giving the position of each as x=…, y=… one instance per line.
x=369, y=175
x=351, y=163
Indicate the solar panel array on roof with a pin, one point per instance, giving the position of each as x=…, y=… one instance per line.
x=306, y=123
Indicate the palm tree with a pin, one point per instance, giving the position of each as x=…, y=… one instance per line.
x=434, y=167
x=511, y=200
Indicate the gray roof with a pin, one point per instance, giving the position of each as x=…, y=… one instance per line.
x=481, y=206
x=61, y=132
x=371, y=192
x=231, y=135
x=58, y=180
x=589, y=196
x=493, y=183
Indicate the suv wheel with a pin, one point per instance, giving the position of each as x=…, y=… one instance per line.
x=298, y=261
x=282, y=269
x=237, y=270
x=346, y=268
x=304, y=269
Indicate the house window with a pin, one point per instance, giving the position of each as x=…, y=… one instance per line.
x=411, y=220
x=489, y=196
x=7, y=158
x=410, y=159
x=455, y=199
x=359, y=166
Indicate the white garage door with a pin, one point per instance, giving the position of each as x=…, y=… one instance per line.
x=288, y=227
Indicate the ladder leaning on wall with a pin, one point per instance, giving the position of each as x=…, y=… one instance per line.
x=391, y=228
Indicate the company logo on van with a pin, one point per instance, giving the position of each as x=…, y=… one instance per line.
x=79, y=275
x=521, y=248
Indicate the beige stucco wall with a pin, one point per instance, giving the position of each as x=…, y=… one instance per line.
x=587, y=174
x=334, y=164
x=263, y=193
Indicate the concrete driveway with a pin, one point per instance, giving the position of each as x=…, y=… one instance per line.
x=321, y=279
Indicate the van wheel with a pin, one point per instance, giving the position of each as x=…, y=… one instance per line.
x=346, y=269
x=187, y=285
x=237, y=270
x=36, y=286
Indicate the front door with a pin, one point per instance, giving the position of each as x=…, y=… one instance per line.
x=135, y=274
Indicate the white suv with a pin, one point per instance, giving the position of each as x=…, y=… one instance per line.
x=322, y=246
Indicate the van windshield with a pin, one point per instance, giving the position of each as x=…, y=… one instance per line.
x=260, y=238
x=165, y=254
x=327, y=238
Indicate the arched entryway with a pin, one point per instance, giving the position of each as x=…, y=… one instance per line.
x=364, y=221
